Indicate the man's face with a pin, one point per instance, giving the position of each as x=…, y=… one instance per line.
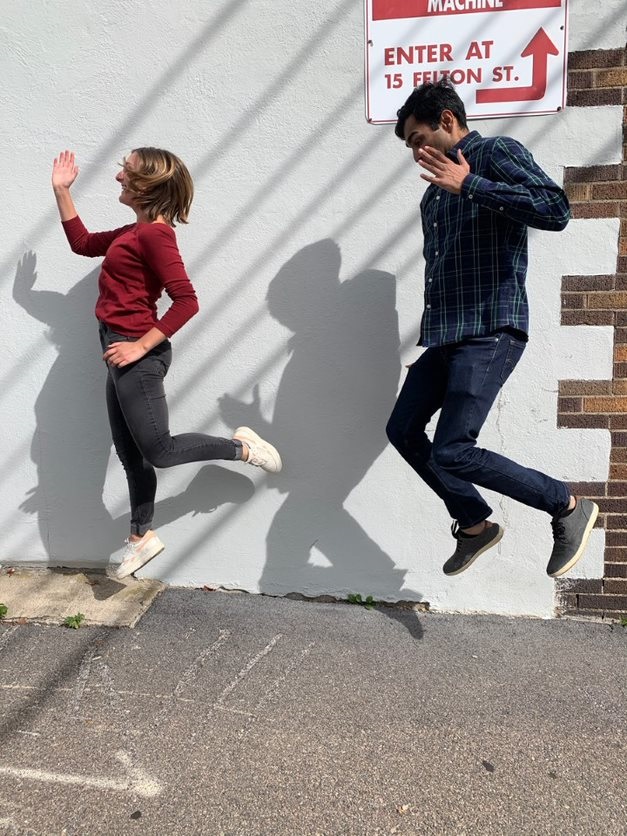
x=419, y=134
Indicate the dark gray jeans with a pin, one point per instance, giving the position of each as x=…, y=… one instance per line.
x=138, y=415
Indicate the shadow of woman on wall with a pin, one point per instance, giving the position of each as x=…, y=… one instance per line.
x=329, y=420
x=72, y=441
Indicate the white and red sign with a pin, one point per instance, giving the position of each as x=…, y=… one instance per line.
x=505, y=57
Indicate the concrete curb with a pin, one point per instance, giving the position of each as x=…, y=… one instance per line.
x=49, y=596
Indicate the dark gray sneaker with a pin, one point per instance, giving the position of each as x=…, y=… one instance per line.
x=571, y=534
x=469, y=548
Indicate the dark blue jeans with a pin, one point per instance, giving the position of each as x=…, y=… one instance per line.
x=140, y=427
x=463, y=380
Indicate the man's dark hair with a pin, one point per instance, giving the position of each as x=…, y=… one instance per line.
x=426, y=104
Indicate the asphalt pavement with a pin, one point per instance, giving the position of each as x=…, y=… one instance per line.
x=237, y=714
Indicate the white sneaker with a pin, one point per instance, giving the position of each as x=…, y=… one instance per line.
x=138, y=553
x=260, y=453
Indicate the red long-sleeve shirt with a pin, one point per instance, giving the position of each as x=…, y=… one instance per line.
x=141, y=260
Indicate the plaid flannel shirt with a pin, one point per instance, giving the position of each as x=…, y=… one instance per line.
x=475, y=243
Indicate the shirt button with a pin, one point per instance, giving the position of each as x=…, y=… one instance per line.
x=430, y=280
x=437, y=197
x=500, y=208
x=469, y=197
x=437, y=252
x=428, y=307
x=435, y=224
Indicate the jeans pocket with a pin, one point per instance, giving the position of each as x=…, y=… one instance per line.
x=162, y=354
x=515, y=349
x=161, y=365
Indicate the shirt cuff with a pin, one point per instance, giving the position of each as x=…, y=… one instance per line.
x=165, y=329
x=472, y=184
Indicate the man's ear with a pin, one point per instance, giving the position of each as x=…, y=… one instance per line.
x=448, y=121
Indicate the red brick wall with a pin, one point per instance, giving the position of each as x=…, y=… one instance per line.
x=599, y=77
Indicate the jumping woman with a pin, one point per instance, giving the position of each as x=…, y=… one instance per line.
x=141, y=260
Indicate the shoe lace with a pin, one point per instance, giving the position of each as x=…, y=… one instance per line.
x=455, y=533
x=130, y=549
x=256, y=456
x=559, y=530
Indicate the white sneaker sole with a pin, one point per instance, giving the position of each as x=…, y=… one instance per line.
x=584, y=541
x=248, y=435
x=151, y=549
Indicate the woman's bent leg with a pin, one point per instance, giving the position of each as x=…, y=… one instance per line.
x=141, y=397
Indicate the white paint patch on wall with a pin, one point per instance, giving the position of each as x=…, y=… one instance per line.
x=305, y=248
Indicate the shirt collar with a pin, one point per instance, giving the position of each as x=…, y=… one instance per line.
x=465, y=144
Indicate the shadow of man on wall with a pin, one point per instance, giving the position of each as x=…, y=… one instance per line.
x=72, y=440
x=331, y=409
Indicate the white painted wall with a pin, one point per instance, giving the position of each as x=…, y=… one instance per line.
x=305, y=249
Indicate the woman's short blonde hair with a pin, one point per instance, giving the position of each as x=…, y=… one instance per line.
x=161, y=184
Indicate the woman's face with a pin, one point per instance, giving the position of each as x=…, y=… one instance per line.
x=126, y=196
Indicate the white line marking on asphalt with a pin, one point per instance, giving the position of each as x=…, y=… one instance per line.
x=173, y=700
x=134, y=695
x=17, y=687
x=192, y=671
x=92, y=662
x=5, y=637
x=30, y=733
x=108, y=683
x=139, y=782
x=136, y=782
x=120, y=692
x=275, y=687
x=83, y=675
x=231, y=710
x=298, y=660
x=247, y=669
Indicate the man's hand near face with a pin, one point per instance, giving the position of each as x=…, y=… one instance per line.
x=444, y=172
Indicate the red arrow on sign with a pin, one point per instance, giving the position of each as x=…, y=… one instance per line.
x=540, y=46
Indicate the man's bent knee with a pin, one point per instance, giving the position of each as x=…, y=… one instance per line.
x=454, y=458
x=395, y=435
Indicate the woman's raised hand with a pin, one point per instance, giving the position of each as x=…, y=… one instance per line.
x=64, y=170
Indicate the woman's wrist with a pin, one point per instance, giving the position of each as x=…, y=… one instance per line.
x=151, y=339
x=67, y=210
